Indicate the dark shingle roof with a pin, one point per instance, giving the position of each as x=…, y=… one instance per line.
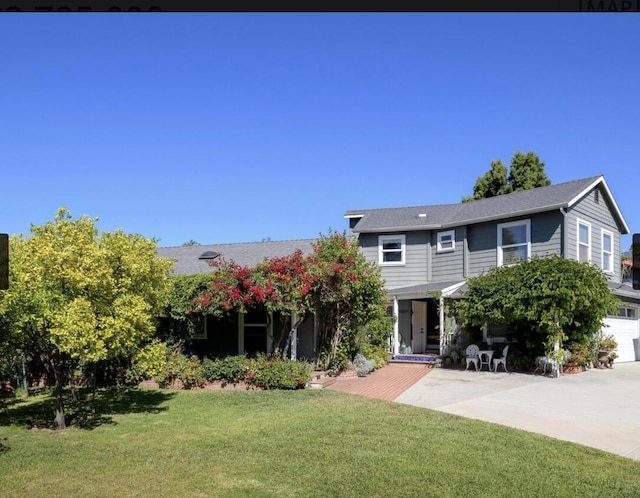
x=504, y=206
x=243, y=253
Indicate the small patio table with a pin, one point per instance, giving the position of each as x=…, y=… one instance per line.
x=485, y=356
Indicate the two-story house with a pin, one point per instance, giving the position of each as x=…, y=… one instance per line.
x=427, y=252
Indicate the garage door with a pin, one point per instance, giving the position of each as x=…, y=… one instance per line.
x=625, y=330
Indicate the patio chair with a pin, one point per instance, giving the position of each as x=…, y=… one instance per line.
x=471, y=355
x=501, y=361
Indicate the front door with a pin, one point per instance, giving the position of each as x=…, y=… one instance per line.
x=418, y=326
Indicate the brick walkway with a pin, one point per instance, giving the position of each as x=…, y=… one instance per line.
x=387, y=383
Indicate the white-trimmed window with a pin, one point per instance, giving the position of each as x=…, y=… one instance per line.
x=514, y=242
x=607, y=251
x=200, y=331
x=584, y=241
x=627, y=312
x=446, y=241
x=391, y=250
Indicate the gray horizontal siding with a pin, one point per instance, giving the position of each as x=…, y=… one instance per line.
x=482, y=241
x=599, y=216
x=546, y=239
x=448, y=266
x=413, y=272
x=546, y=234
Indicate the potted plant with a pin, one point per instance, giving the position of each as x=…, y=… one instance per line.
x=606, y=350
x=578, y=359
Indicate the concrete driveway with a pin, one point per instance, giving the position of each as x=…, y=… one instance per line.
x=597, y=408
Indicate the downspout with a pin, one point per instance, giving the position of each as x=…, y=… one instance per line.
x=465, y=255
x=442, y=334
x=396, y=327
x=563, y=242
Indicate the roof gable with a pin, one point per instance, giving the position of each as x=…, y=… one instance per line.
x=521, y=203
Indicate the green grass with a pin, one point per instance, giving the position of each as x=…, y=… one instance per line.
x=287, y=443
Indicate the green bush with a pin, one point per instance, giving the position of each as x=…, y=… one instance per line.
x=378, y=354
x=227, y=370
x=362, y=365
x=275, y=373
x=181, y=368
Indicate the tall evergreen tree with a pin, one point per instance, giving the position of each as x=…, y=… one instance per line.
x=526, y=172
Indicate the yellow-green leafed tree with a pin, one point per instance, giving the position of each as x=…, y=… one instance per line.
x=77, y=294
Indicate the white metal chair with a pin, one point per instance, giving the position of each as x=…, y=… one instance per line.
x=471, y=355
x=501, y=361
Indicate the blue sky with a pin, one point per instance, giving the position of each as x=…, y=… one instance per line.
x=240, y=127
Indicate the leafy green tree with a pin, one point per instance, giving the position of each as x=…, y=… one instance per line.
x=542, y=301
x=526, y=172
x=493, y=182
x=178, y=323
x=78, y=295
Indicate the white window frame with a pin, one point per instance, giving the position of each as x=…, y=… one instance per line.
x=527, y=244
x=202, y=336
x=578, y=243
x=607, y=254
x=625, y=311
x=381, y=251
x=441, y=235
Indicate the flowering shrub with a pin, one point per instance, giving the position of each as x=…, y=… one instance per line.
x=335, y=281
x=179, y=367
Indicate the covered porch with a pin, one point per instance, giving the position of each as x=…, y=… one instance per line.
x=423, y=325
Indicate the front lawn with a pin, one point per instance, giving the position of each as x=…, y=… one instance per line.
x=287, y=443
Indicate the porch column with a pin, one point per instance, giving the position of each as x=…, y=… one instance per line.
x=269, y=333
x=316, y=333
x=396, y=327
x=240, y=333
x=294, y=337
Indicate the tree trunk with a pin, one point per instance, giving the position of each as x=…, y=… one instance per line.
x=74, y=391
x=59, y=420
x=55, y=367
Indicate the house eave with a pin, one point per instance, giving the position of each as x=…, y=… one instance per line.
x=600, y=180
x=459, y=223
x=398, y=229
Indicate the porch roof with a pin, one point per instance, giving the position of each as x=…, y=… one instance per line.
x=450, y=289
x=624, y=289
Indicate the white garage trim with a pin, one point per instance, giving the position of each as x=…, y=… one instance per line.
x=625, y=328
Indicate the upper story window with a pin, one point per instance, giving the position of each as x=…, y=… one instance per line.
x=607, y=251
x=514, y=242
x=391, y=249
x=446, y=241
x=584, y=241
